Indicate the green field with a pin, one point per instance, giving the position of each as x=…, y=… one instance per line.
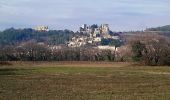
x=83, y=81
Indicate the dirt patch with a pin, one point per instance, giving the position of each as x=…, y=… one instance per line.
x=159, y=73
x=3, y=63
x=69, y=64
x=86, y=64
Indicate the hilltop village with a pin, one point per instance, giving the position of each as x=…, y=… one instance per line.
x=94, y=35
x=90, y=35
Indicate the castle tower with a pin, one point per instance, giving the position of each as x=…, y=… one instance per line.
x=105, y=30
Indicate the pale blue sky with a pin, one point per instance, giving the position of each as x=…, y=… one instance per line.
x=61, y=14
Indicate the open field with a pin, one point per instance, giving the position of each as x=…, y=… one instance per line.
x=83, y=81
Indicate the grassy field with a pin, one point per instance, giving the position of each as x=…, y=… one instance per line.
x=83, y=81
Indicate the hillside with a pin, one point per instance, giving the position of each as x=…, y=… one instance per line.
x=162, y=28
x=52, y=37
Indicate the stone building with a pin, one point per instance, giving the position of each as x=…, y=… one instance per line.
x=42, y=28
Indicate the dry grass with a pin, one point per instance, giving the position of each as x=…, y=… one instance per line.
x=70, y=64
x=83, y=81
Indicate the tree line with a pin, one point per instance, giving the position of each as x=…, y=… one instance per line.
x=31, y=51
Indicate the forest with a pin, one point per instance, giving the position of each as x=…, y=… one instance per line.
x=54, y=37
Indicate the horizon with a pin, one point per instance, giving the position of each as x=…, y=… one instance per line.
x=78, y=28
x=121, y=15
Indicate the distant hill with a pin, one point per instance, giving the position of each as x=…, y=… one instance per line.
x=162, y=28
x=52, y=37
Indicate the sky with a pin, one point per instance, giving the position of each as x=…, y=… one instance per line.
x=121, y=15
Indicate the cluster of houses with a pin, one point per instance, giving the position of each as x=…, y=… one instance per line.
x=93, y=35
x=88, y=35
